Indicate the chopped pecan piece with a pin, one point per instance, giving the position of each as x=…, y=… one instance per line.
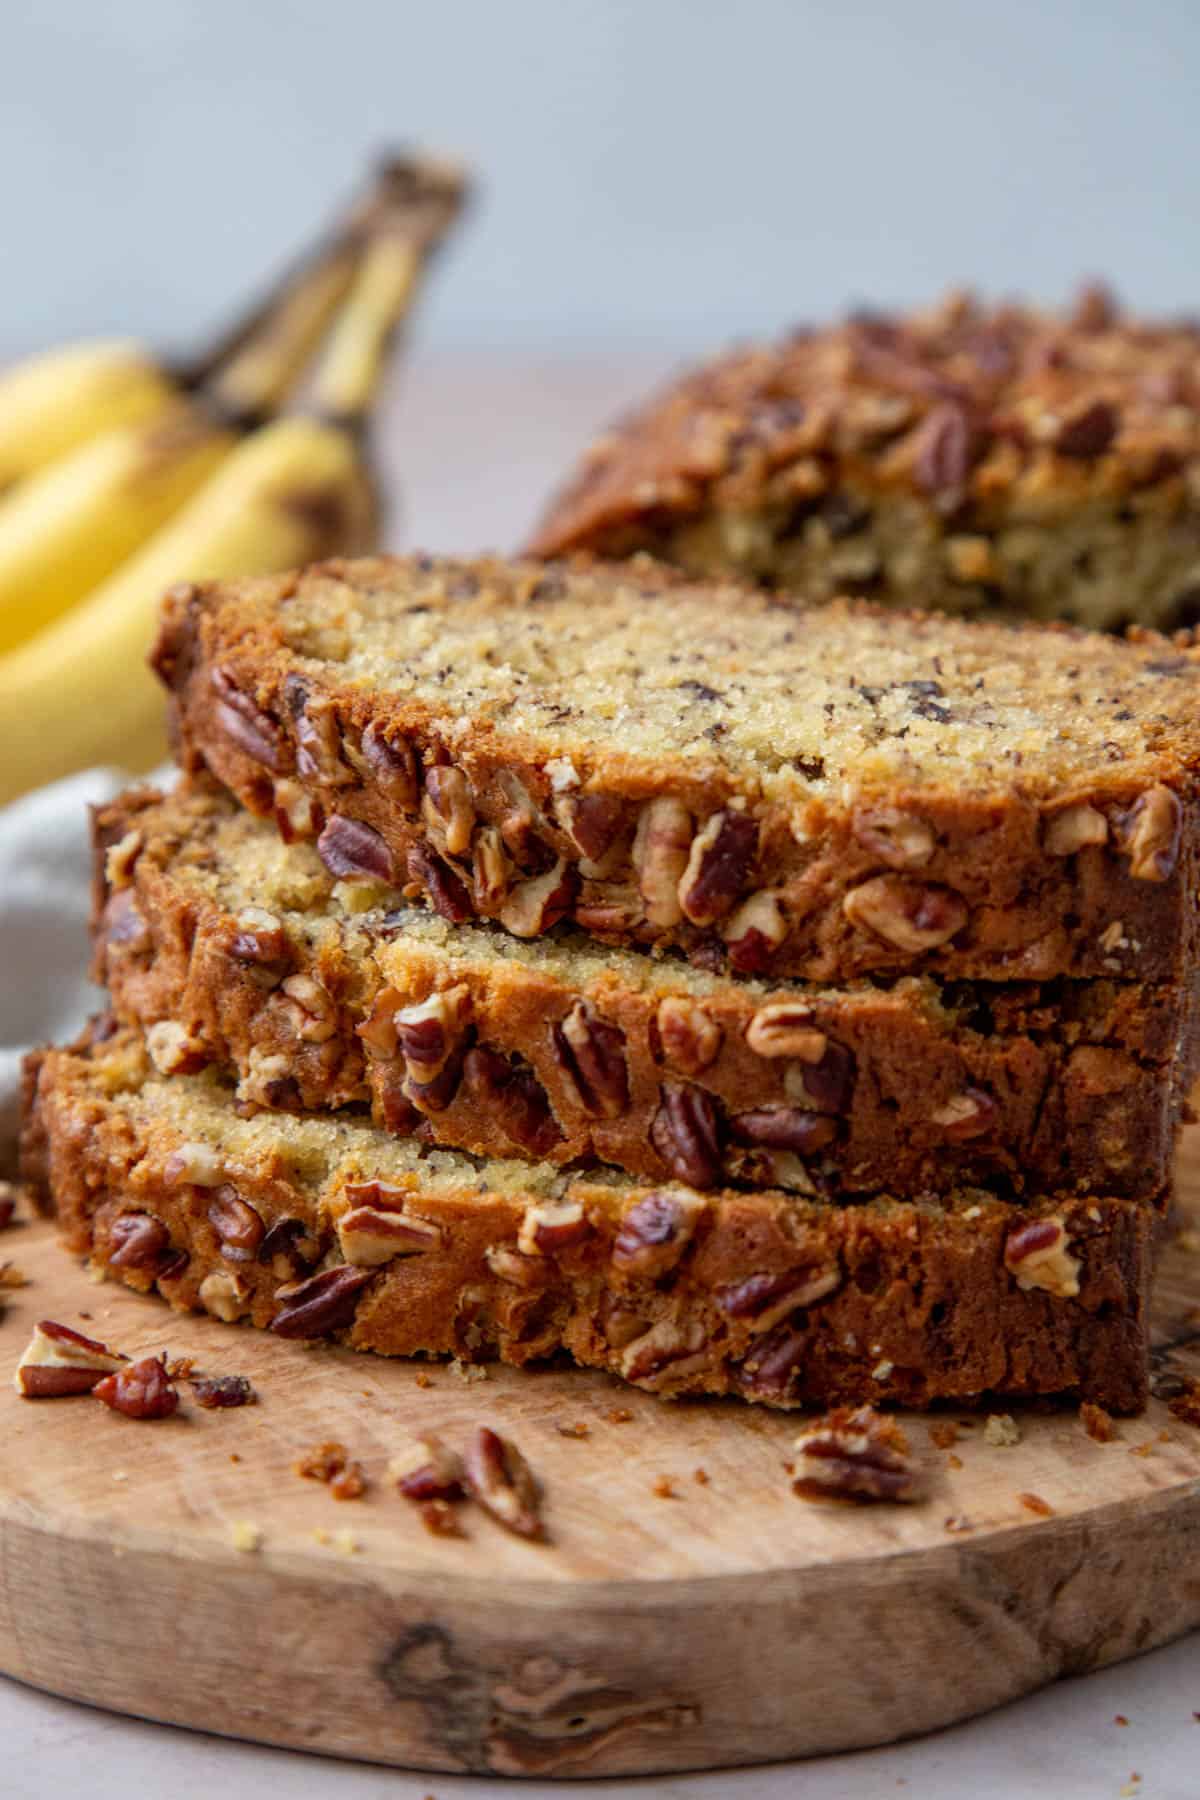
x=656, y=1231
x=855, y=1454
x=194, y=1165
x=447, y=893
x=591, y=1053
x=533, y=906
x=374, y=1233
x=173, y=1050
x=764, y=1299
x=427, y=1469
x=1150, y=835
x=323, y=1303
x=661, y=847
x=318, y=736
x=593, y=824
x=498, y=1477
x=1039, y=1256
x=825, y=1085
x=217, y=1392
x=548, y=1226
x=237, y=1225
x=897, y=838
x=515, y=1267
x=754, y=932
x=136, y=1241
x=666, y=1355
x=224, y=1295
x=784, y=1028
x=8, y=1203
x=514, y=1098
x=259, y=938
x=120, y=859
x=770, y=1371
x=246, y=725
x=298, y=814
x=785, y=1128
x=490, y=869
x=688, y=1037
x=912, y=915
x=428, y=1033
x=1073, y=829
x=123, y=925
x=718, y=866
x=1088, y=431
x=288, y=1248
x=686, y=1133
x=944, y=447
x=350, y=848
x=58, y=1361
x=392, y=763
x=970, y=1114
x=447, y=809
x=141, y=1390
x=316, y=1011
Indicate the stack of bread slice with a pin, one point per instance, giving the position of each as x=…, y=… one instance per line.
x=742, y=998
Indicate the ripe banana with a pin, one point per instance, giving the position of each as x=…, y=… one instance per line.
x=80, y=692
x=51, y=402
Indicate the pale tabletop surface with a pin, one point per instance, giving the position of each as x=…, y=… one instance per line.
x=475, y=443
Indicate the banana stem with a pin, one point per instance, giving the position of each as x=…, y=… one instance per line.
x=260, y=373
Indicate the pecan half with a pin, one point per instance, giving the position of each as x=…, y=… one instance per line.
x=911, y=915
x=688, y=1038
x=1150, y=834
x=350, y=848
x=237, y=1225
x=1038, y=1255
x=897, y=838
x=374, y=1234
x=447, y=893
x=1073, y=829
x=447, y=809
x=58, y=1361
x=785, y=1128
x=136, y=1241
x=855, y=1454
x=783, y=1028
x=533, y=906
x=763, y=1300
x=246, y=725
x=428, y=1034
x=718, y=866
x=427, y=1469
x=593, y=823
x=318, y=736
x=142, y=1390
x=591, y=1054
x=514, y=1099
x=970, y=1114
x=497, y=1476
x=944, y=447
x=686, y=1133
x=754, y=932
x=656, y=1231
x=522, y=825
x=771, y=1369
x=548, y=1226
x=325, y=1302
x=666, y=1355
x=661, y=846
x=392, y=763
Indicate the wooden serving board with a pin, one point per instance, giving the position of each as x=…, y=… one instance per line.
x=725, y=1622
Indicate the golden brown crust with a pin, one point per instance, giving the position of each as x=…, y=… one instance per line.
x=778, y=1299
x=244, y=954
x=979, y=432
x=1066, y=847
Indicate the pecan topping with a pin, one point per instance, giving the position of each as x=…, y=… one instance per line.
x=785, y=1128
x=316, y=1011
x=763, y=1300
x=325, y=1302
x=665, y=1355
x=1073, y=829
x=448, y=810
x=297, y=813
x=498, y=1477
x=58, y=1361
x=944, y=446
x=224, y=1295
x=783, y=1028
x=754, y=933
x=1150, y=832
x=855, y=1454
x=688, y=1039
x=374, y=1234
x=1088, y=431
x=661, y=847
x=173, y=1051
x=447, y=894
x=236, y=1224
x=896, y=838
x=215, y=1392
x=392, y=763
x=548, y=1226
x=912, y=915
x=533, y=906
x=136, y=1241
x=427, y=1469
x=287, y=1248
x=656, y=1231
x=685, y=1132
x=970, y=1114
x=253, y=731
x=1039, y=1256
x=428, y=1034
x=259, y=938
x=349, y=848
x=514, y=1098
x=718, y=866
x=490, y=869
x=141, y=1390
x=591, y=1054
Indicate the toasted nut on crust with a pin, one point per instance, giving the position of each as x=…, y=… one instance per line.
x=690, y=1039
x=173, y=1050
x=967, y=1115
x=896, y=838
x=1073, y=829
x=552, y=1225
x=224, y=1295
x=448, y=810
x=591, y=1053
x=754, y=932
x=1039, y=1256
x=1150, y=835
x=370, y=1235
x=500, y=1480
x=661, y=847
x=855, y=1454
x=718, y=866
x=58, y=1361
x=656, y=1231
x=911, y=915
x=782, y=1028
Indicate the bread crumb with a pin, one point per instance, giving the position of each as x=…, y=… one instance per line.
x=882, y=1370
x=120, y=1474
x=579, y=1430
x=423, y=1380
x=957, y=1522
x=1186, y=1405
x=953, y=1461
x=664, y=1487
x=1035, y=1504
x=467, y=1371
x=1098, y=1424
x=345, y=1543
x=1001, y=1431
x=1145, y=1449
x=349, y=1483
x=943, y=1433
x=1120, y=1719
x=700, y=1477
x=619, y=1415
x=1189, y=1240
x=440, y=1518
x=322, y=1462
x=11, y=1276
x=244, y=1536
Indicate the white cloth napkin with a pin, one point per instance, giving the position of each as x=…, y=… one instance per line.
x=45, y=896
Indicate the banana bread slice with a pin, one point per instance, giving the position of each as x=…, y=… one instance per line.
x=966, y=457
x=325, y=1227
x=230, y=947
x=816, y=794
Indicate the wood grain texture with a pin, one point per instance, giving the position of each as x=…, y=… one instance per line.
x=730, y=1623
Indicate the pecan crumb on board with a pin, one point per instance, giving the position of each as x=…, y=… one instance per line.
x=855, y=1453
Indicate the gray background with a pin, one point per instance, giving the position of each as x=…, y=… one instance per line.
x=659, y=173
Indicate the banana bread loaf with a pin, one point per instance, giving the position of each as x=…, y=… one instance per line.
x=965, y=457
x=813, y=794
x=325, y=1227
x=229, y=947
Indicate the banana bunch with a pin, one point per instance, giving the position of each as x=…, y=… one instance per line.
x=120, y=475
